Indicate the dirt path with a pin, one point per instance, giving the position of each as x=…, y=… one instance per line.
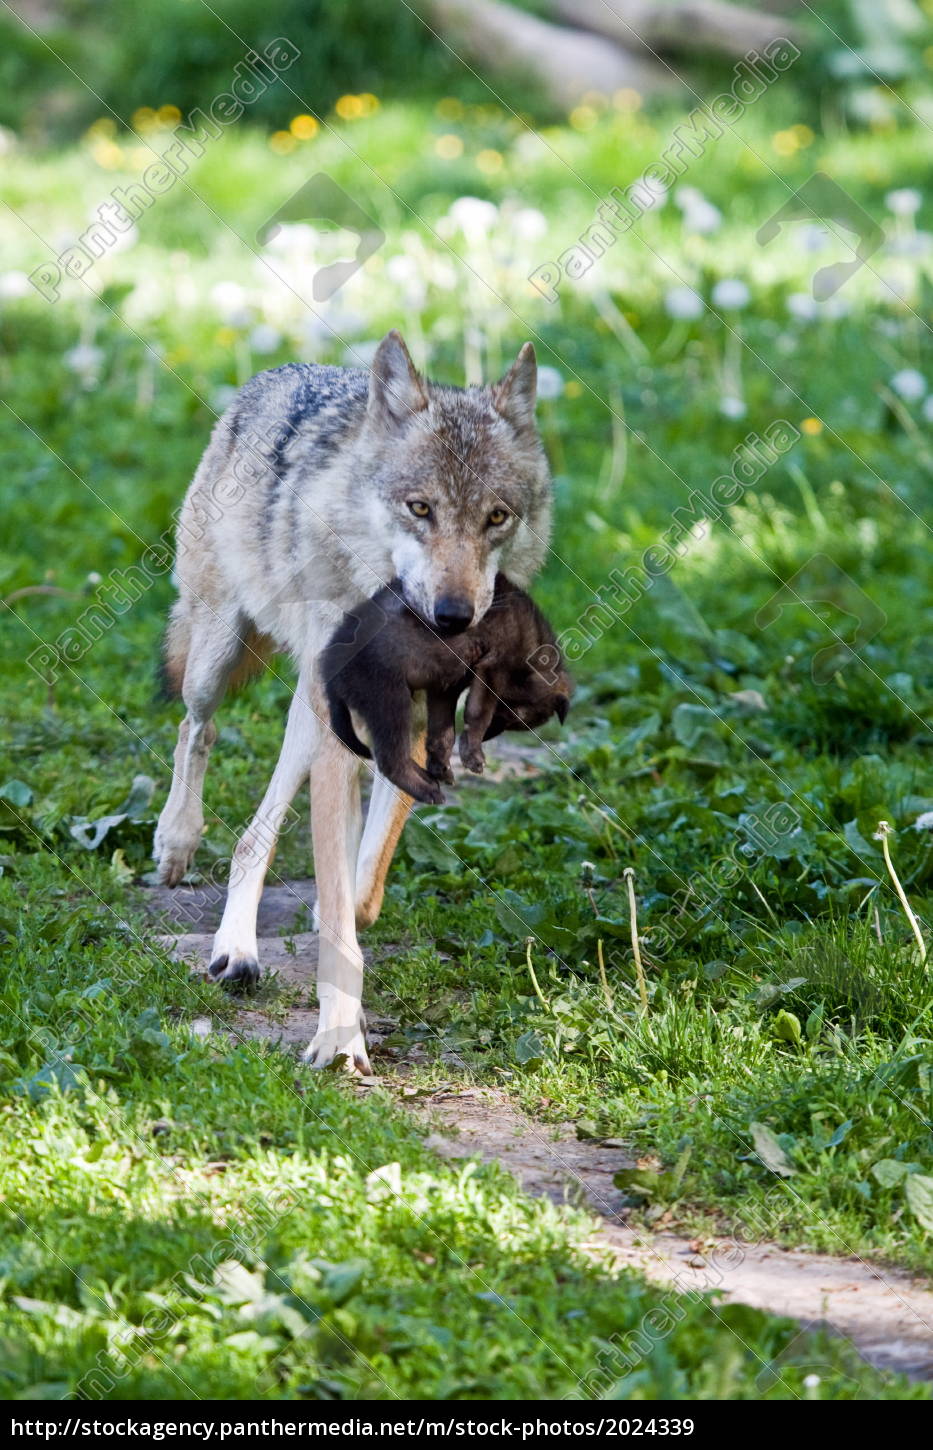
x=887, y=1314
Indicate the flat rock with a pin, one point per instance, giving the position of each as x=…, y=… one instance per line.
x=284, y=907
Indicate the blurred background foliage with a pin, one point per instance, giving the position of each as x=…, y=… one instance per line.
x=181, y=52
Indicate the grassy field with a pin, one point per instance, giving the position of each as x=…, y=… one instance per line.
x=183, y=1218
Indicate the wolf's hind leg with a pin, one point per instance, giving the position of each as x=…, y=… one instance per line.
x=235, y=957
x=215, y=646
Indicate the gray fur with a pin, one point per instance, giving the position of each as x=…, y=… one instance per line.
x=299, y=509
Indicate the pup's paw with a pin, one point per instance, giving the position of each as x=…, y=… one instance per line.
x=471, y=756
x=417, y=783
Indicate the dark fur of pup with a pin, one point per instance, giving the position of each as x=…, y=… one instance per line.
x=382, y=652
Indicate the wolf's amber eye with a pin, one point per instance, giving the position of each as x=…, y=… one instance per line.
x=419, y=508
x=498, y=517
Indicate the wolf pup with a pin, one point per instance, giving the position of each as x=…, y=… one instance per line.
x=383, y=652
x=319, y=486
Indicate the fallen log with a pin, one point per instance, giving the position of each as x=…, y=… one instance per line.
x=643, y=25
x=566, y=62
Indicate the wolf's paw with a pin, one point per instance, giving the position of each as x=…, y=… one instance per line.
x=239, y=972
x=440, y=770
x=173, y=859
x=339, y=1046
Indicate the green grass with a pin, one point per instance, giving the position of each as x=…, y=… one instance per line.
x=783, y=1073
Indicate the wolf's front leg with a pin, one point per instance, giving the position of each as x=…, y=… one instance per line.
x=235, y=957
x=335, y=834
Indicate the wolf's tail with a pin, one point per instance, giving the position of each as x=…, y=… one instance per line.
x=251, y=658
x=342, y=724
x=174, y=654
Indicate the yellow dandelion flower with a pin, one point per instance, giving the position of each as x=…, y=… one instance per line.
x=145, y=119
x=107, y=153
x=811, y=426
x=449, y=109
x=369, y=103
x=803, y=135
x=349, y=108
x=627, y=99
x=489, y=161
x=583, y=118
x=225, y=336
x=106, y=127
x=282, y=142
x=169, y=115
x=785, y=143
x=304, y=127
x=448, y=147
x=573, y=389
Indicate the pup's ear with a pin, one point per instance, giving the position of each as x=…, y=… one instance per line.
x=395, y=389
x=514, y=395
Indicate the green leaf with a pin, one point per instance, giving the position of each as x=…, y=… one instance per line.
x=888, y=1172
x=918, y=1191
x=690, y=722
x=529, y=1052
x=770, y=1151
x=787, y=1027
x=856, y=841
x=17, y=792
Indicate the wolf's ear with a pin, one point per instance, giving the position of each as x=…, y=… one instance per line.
x=395, y=389
x=514, y=395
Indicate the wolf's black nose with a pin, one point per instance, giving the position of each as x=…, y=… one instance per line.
x=452, y=614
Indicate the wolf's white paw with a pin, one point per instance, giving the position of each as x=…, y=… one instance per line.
x=235, y=971
x=173, y=856
x=235, y=959
x=347, y=1043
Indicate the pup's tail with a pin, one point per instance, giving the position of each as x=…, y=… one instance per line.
x=342, y=723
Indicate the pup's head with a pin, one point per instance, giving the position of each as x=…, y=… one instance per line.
x=537, y=688
x=460, y=481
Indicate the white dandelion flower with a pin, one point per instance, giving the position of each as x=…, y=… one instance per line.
x=731, y=293
x=550, y=382
x=12, y=285
x=684, y=304
x=230, y=303
x=703, y=217
x=265, y=339
x=85, y=361
x=473, y=216
x=909, y=384
x=905, y=201
x=802, y=306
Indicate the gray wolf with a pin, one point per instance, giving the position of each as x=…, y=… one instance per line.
x=382, y=653
x=319, y=486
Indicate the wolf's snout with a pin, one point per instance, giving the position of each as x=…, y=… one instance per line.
x=453, y=613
